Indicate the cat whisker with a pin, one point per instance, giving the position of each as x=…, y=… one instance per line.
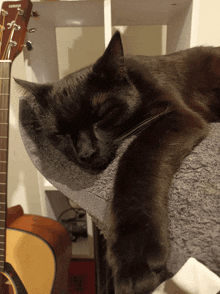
x=140, y=126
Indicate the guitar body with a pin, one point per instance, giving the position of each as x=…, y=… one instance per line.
x=38, y=253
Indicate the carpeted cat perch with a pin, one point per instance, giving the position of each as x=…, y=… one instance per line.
x=194, y=199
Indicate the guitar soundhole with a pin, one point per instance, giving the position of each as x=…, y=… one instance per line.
x=5, y=285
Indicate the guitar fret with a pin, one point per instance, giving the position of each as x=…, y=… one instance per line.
x=4, y=101
x=3, y=167
x=3, y=143
x=3, y=197
x=3, y=129
x=4, y=104
x=5, y=67
x=4, y=116
x=3, y=155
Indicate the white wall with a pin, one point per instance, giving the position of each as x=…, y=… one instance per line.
x=23, y=185
x=143, y=40
x=196, y=23
x=206, y=23
x=80, y=46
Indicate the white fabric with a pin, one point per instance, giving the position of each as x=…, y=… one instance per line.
x=192, y=278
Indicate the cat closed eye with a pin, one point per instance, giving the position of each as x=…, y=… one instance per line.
x=110, y=114
x=99, y=133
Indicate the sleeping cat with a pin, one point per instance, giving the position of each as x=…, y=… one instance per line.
x=166, y=102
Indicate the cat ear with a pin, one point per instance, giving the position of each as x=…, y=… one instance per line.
x=39, y=91
x=111, y=63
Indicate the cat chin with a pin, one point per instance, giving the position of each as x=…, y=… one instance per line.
x=95, y=168
x=99, y=162
x=92, y=166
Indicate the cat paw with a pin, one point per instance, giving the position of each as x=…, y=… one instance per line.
x=138, y=279
x=139, y=274
x=138, y=260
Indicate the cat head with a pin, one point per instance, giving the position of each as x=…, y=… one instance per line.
x=93, y=106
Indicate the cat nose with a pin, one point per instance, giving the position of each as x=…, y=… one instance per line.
x=86, y=153
x=85, y=146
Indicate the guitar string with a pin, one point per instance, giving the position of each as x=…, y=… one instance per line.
x=10, y=36
x=3, y=71
x=1, y=39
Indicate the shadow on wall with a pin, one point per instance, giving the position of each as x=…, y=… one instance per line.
x=23, y=186
x=141, y=40
x=78, y=47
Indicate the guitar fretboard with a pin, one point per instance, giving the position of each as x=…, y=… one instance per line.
x=5, y=67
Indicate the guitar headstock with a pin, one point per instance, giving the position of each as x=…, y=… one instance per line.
x=14, y=17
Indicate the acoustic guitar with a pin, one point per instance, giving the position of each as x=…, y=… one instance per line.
x=35, y=251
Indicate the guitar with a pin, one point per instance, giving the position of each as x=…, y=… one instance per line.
x=35, y=251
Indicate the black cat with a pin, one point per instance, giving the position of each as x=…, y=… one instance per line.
x=167, y=102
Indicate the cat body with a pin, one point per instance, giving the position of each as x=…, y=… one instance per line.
x=167, y=102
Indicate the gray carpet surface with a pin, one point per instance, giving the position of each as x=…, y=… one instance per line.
x=194, y=198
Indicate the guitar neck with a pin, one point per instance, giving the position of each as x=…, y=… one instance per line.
x=5, y=68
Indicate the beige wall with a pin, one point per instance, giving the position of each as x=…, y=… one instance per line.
x=80, y=46
x=208, y=22
x=23, y=185
x=142, y=40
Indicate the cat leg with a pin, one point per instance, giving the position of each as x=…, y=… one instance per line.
x=138, y=241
